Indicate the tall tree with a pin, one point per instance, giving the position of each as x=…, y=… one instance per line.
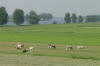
x=74, y=18
x=67, y=18
x=80, y=19
x=33, y=18
x=46, y=16
x=3, y=16
x=18, y=16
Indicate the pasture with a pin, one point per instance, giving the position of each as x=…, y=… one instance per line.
x=87, y=34
x=44, y=56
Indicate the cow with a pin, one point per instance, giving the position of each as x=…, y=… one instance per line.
x=51, y=46
x=19, y=46
x=69, y=48
x=31, y=48
x=24, y=51
x=80, y=47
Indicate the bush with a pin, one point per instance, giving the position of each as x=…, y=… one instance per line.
x=54, y=22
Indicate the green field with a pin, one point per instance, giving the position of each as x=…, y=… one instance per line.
x=87, y=34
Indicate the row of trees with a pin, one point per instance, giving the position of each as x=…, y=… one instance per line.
x=74, y=18
x=33, y=18
x=69, y=19
x=43, y=16
x=93, y=18
x=18, y=16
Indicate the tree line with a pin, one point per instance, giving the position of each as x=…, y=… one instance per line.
x=18, y=17
x=33, y=18
x=80, y=19
x=73, y=18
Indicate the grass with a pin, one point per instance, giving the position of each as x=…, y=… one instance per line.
x=42, y=56
x=27, y=60
x=42, y=50
x=75, y=34
x=39, y=36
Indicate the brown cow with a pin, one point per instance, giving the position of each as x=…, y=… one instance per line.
x=51, y=46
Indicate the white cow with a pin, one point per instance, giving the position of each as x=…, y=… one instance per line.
x=31, y=48
x=19, y=46
x=80, y=47
x=69, y=48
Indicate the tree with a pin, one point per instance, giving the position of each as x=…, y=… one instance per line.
x=50, y=16
x=74, y=18
x=55, y=22
x=46, y=16
x=3, y=16
x=67, y=18
x=93, y=18
x=33, y=18
x=80, y=18
x=18, y=16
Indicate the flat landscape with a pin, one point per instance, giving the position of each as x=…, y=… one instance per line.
x=39, y=36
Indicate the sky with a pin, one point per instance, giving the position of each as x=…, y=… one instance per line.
x=57, y=7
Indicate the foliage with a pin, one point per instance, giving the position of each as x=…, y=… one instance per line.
x=80, y=19
x=54, y=22
x=74, y=18
x=92, y=18
x=3, y=16
x=67, y=18
x=18, y=16
x=33, y=17
x=46, y=16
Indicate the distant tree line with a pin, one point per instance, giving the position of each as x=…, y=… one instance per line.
x=32, y=17
x=93, y=18
x=73, y=18
x=80, y=19
x=19, y=17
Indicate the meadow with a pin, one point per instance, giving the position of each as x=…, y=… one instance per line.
x=87, y=34
x=84, y=34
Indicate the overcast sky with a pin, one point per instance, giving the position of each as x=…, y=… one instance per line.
x=56, y=7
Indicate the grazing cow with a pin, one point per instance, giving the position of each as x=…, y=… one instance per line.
x=51, y=46
x=24, y=51
x=80, y=47
x=69, y=48
x=19, y=46
x=31, y=48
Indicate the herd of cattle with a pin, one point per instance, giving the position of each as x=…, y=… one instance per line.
x=68, y=47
